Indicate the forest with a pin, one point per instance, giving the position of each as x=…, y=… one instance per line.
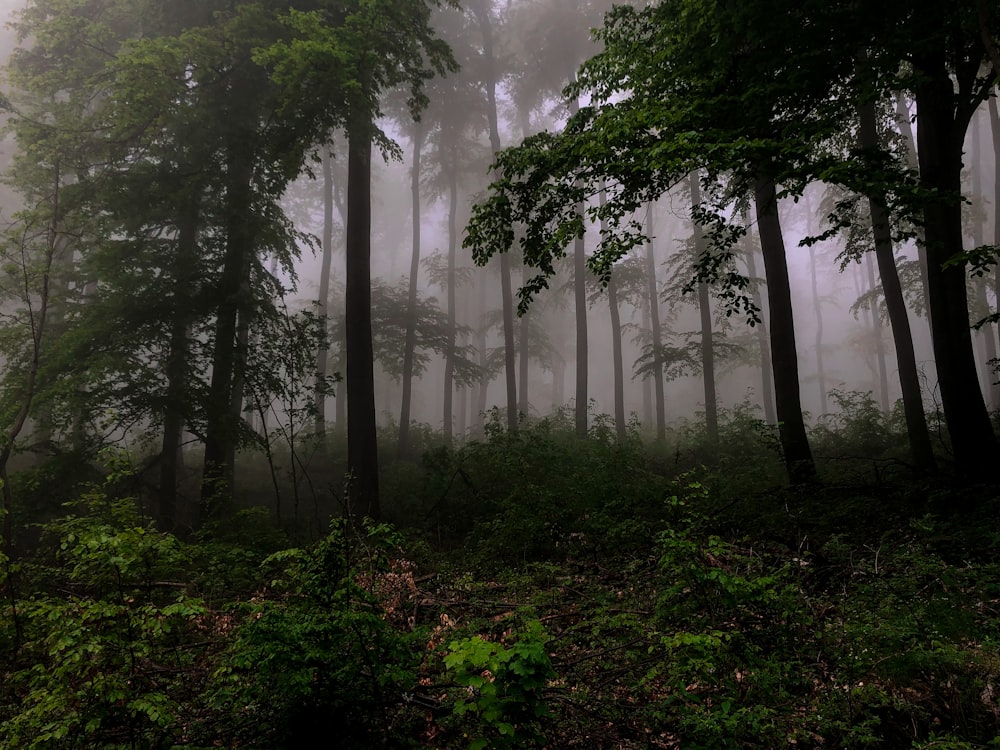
x=499, y=374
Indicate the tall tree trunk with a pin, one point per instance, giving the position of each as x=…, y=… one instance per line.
x=818, y=312
x=876, y=318
x=763, y=342
x=523, y=357
x=362, y=441
x=582, y=349
x=482, y=390
x=483, y=11
x=647, y=383
x=176, y=370
x=323, y=301
x=617, y=359
x=652, y=298
x=791, y=426
x=449, y=362
x=705, y=311
x=222, y=425
x=940, y=136
x=909, y=378
x=906, y=130
x=987, y=332
x=410, y=342
x=995, y=133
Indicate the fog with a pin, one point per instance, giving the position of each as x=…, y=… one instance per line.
x=829, y=324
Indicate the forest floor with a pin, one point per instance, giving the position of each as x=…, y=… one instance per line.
x=532, y=590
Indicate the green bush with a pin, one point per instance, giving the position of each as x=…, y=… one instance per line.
x=313, y=654
x=501, y=688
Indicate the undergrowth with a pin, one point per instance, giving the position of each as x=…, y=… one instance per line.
x=536, y=590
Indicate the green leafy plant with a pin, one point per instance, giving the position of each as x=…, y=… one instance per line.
x=501, y=688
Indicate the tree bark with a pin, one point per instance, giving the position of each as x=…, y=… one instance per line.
x=909, y=378
x=410, y=342
x=323, y=300
x=876, y=320
x=362, y=441
x=906, y=130
x=705, y=311
x=940, y=136
x=791, y=426
x=818, y=312
x=449, y=362
x=222, y=426
x=482, y=11
x=176, y=370
x=763, y=343
x=617, y=359
x=652, y=298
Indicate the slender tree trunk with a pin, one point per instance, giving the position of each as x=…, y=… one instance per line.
x=582, y=349
x=906, y=130
x=410, y=343
x=818, y=312
x=995, y=133
x=483, y=11
x=176, y=370
x=449, y=362
x=987, y=332
x=647, y=383
x=362, y=441
x=763, y=343
x=323, y=302
x=791, y=426
x=617, y=359
x=705, y=310
x=909, y=378
x=876, y=318
x=222, y=427
x=523, y=357
x=484, y=381
x=652, y=297
x=940, y=136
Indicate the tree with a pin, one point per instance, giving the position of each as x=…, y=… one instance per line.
x=645, y=139
x=385, y=45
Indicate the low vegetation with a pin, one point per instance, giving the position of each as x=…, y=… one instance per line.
x=533, y=590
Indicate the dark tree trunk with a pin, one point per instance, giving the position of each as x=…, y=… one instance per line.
x=362, y=442
x=523, y=357
x=580, y=299
x=323, y=300
x=705, y=310
x=482, y=11
x=940, y=136
x=509, y=346
x=784, y=355
x=906, y=130
x=652, y=299
x=222, y=425
x=482, y=389
x=876, y=319
x=909, y=379
x=410, y=343
x=617, y=359
x=449, y=362
x=995, y=133
x=176, y=371
x=818, y=311
x=763, y=343
x=987, y=332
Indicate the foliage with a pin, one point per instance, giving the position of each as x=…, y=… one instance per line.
x=501, y=687
x=313, y=654
x=111, y=655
